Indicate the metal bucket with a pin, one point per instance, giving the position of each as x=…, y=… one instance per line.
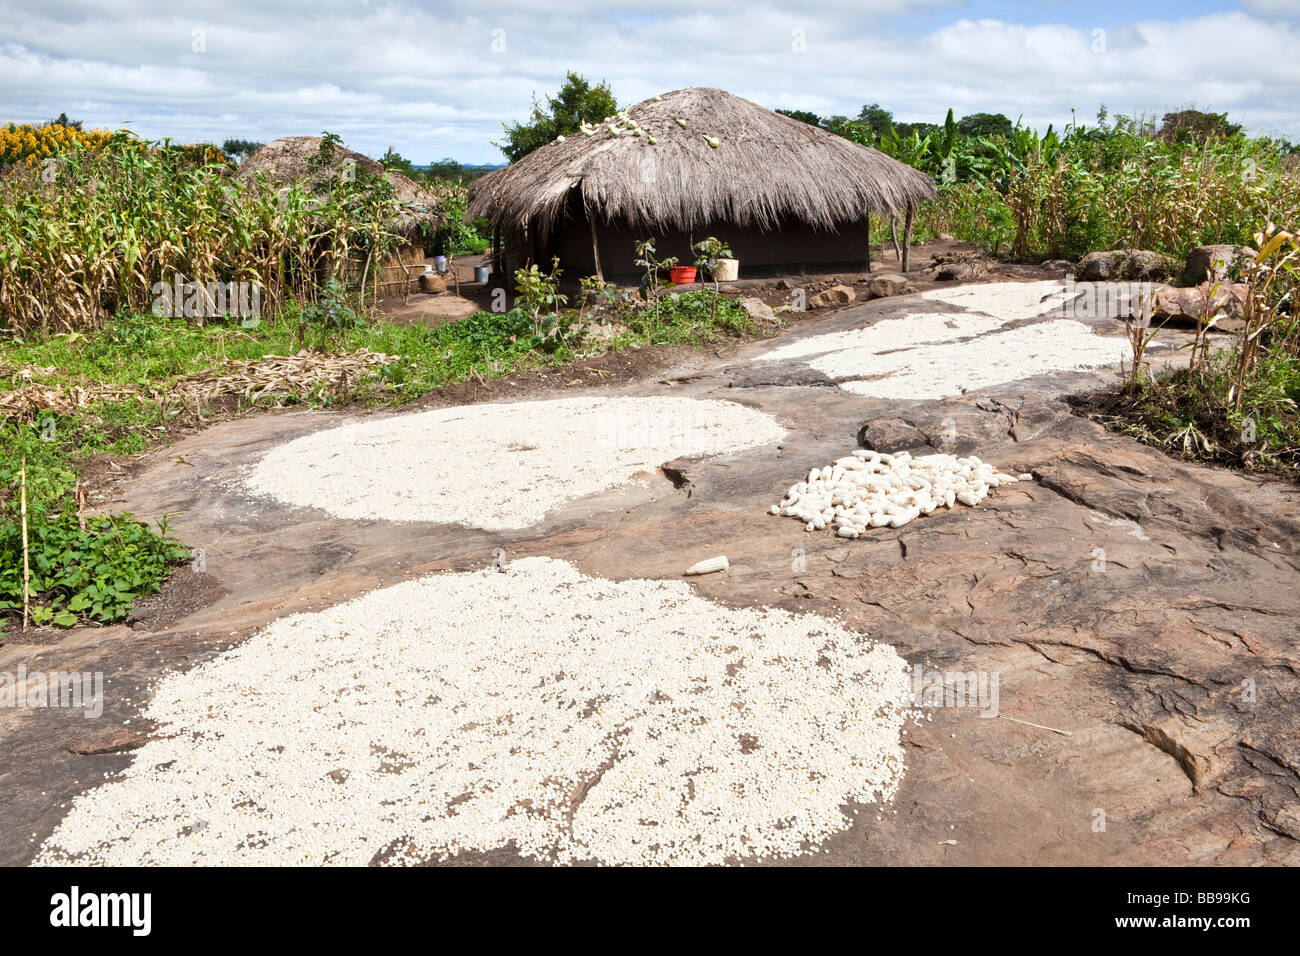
x=482, y=273
x=440, y=263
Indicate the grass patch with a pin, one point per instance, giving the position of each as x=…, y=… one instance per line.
x=78, y=567
x=1238, y=406
x=686, y=318
x=1184, y=411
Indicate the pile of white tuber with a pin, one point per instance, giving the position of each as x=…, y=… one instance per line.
x=871, y=490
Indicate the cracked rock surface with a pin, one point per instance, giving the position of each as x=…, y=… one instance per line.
x=1139, y=613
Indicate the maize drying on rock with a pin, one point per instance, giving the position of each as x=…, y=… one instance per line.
x=872, y=490
x=630, y=722
x=709, y=566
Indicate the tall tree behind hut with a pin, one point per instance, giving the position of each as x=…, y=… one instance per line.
x=576, y=102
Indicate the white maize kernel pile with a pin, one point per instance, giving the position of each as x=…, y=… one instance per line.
x=499, y=465
x=572, y=717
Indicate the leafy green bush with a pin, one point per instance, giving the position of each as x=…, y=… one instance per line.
x=1239, y=405
x=972, y=211
x=83, y=575
x=330, y=316
x=1186, y=410
x=486, y=335
x=458, y=236
x=688, y=318
x=82, y=568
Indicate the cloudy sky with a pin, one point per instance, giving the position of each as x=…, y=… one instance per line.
x=437, y=79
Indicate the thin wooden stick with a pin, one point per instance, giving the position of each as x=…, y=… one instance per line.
x=595, y=251
x=907, y=237
x=893, y=235
x=379, y=264
x=1063, y=733
x=868, y=243
x=365, y=272
x=27, y=568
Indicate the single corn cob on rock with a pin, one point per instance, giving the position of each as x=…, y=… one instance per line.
x=709, y=565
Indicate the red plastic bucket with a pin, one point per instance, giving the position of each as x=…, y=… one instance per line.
x=682, y=275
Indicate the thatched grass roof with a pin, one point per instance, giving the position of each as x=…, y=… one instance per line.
x=765, y=168
x=286, y=160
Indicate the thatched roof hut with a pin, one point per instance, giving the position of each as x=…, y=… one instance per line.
x=692, y=163
x=283, y=162
x=293, y=158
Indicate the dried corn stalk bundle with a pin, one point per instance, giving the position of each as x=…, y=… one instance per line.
x=26, y=371
x=280, y=375
x=25, y=404
x=252, y=379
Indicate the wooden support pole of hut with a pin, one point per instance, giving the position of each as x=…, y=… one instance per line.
x=595, y=251
x=893, y=237
x=868, y=243
x=907, y=235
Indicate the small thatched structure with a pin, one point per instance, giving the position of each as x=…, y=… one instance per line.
x=297, y=158
x=696, y=162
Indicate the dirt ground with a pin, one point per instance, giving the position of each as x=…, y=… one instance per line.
x=1159, y=691
x=469, y=296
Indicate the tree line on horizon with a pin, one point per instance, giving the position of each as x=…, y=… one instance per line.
x=579, y=101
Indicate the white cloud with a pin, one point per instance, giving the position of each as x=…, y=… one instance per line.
x=1273, y=8
x=427, y=81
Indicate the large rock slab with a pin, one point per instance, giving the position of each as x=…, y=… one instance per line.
x=1188, y=305
x=1142, y=604
x=835, y=295
x=758, y=309
x=1216, y=263
x=888, y=435
x=958, y=272
x=1121, y=264
x=888, y=284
